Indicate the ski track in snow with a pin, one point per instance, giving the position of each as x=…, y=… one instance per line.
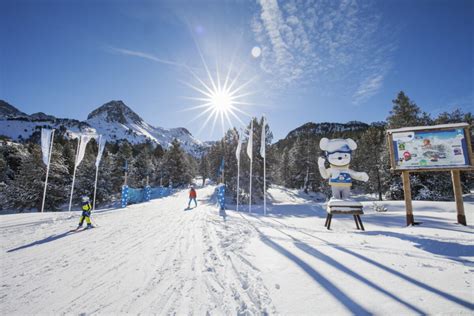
x=156, y=258
x=148, y=258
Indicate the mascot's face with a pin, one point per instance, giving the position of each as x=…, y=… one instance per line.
x=338, y=151
x=339, y=158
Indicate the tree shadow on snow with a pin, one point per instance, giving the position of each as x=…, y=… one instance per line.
x=350, y=272
x=301, y=211
x=398, y=220
x=337, y=293
x=42, y=241
x=310, y=250
x=450, y=250
x=407, y=278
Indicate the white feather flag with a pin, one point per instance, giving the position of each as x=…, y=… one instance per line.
x=46, y=144
x=262, y=145
x=239, y=147
x=250, y=143
x=82, y=147
x=101, y=150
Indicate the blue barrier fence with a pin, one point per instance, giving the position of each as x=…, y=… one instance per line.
x=134, y=196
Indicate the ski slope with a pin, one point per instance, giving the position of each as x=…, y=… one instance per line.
x=157, y=258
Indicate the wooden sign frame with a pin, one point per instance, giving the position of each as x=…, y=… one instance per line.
x=455, y=170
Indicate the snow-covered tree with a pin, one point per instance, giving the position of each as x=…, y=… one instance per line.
x=175, y=165
x=26, y=190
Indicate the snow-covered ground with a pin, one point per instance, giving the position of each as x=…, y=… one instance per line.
x=157, y=258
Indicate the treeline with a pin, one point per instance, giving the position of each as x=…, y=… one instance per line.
x=226, y=148
x=292, y=162
x=22, y=171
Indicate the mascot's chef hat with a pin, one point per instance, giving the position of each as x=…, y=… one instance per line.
x=337, y=145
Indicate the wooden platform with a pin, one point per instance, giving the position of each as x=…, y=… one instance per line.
x=345, y=208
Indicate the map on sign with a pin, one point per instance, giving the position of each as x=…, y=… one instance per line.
x=430, y=149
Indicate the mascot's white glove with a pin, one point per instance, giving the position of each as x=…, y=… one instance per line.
x=364, y=177
x=321, y=162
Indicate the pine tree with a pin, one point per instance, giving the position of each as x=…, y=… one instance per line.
x=406, y=113
x=371, y=156
x=110, y=178
x=204, y=169
x=59, y=180
x=142, y=165
x=175, y=165
x=3, y=165
x=85, y=174
x=26, y=190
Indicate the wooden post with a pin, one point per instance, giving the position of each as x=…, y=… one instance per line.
x=455, y=175
x=407, y=194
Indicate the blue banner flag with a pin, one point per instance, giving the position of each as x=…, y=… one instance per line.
x=221, y=168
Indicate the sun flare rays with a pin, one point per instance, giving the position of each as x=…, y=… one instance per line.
x=221, y=99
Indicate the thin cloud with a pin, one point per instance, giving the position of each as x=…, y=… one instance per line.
x=368, y=88
x=323, y=43
x=144, y=55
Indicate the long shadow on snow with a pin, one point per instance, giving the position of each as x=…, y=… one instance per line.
x=399, y=221
x=450, y=250
x=336, y=264
x=319, y=255
x=291, y=210
x=42, y=241
x=405, y=277
x=338, y=294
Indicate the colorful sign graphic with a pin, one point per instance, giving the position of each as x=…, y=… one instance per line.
x=430, y=149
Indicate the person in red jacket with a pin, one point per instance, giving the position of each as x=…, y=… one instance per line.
x=192, y=196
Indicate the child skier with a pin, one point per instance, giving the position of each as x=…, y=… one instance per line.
x=192, y=196
x=86, y=213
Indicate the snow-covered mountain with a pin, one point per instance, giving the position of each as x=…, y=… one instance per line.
x=117, y=121
x=9, y=111
x=326, y=128
x=114, y=120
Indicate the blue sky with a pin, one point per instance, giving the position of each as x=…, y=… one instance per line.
x=320, y=60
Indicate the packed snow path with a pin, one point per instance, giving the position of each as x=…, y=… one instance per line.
x=157, y=258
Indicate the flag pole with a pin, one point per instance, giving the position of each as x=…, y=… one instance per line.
x=250, y=199
x=96, y=173
x=263, y=150
x=237, y=154
x=74, y=173
x=264, y=187
x=251, y=163
x=238, y=178
x=47, y=171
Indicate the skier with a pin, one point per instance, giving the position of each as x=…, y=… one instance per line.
x=86, y=213
x=192, y=196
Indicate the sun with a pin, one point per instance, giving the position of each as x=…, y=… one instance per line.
x=221, y=97
x=221, y=101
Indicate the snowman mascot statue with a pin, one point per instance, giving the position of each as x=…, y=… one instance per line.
x=338, y=153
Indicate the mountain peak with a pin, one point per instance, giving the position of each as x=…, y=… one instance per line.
x=116, y=111
x=9, y=111
x=40, y=116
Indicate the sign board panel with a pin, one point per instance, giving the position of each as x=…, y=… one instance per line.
x=431, y=147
